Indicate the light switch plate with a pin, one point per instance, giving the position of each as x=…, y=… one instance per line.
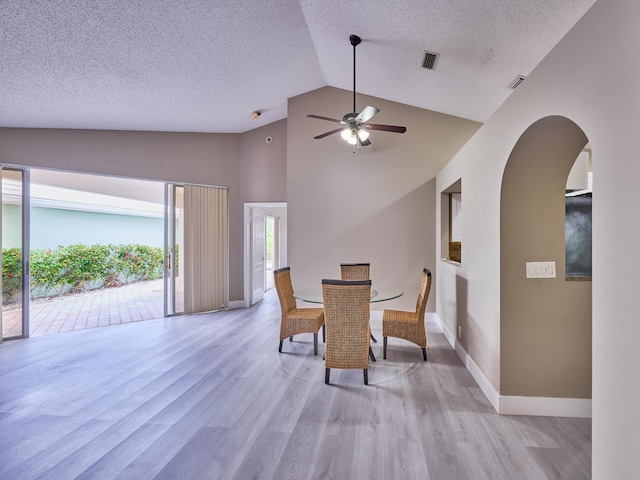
x=541, y=269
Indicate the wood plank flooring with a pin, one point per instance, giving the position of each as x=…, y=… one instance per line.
x=209, y=397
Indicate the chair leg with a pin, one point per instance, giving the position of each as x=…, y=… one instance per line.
x=384, y=347
x=315, y=343
x=280, y=347
x=291, y=338
x=324, y=333
x=327, y=372
x=373, y=339
x=366, y=376
x=424, y=354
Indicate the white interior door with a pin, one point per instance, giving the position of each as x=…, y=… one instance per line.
x=257, y=257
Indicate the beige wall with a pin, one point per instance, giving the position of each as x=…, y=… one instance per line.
x=211, y=159
x=545, y=324
x=264, y=165
x=377, y=205
x=570, y=84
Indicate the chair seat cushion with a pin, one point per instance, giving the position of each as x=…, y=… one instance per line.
x=301, y=320
x=399, y=316
x=401, y=324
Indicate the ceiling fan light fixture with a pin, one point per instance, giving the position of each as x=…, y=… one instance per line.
x=363, y=134
x=349, y=135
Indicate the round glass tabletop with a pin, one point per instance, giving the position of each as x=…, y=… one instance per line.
x=378, y=294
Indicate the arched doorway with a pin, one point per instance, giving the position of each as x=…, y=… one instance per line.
x=545, y=331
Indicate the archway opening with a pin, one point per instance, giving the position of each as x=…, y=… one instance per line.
x=545, y=322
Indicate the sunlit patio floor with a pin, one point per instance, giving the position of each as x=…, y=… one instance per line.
x=98, y=308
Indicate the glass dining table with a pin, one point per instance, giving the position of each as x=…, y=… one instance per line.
x=378, y=294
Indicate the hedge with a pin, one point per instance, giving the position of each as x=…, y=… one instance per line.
x=78, y=268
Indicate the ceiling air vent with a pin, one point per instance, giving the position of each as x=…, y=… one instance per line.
x=430, y=60
x=516, y=81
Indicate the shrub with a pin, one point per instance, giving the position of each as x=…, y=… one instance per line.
x=85, y=266
x=47, y=274
x=137, y=262
x=80, y=268
x=11, y=274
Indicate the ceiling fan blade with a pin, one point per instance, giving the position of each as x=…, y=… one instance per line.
x=325, y=118
x=326, y=134
x=386, y=128
x=367, y=114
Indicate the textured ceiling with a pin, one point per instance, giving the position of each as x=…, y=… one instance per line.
x=204, y=66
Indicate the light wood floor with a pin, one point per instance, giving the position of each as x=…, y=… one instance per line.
x=210, y=397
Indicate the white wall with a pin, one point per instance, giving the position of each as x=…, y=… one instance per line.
x=591, y=77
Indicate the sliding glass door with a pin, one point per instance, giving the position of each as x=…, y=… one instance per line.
x=196, y=269
x=15, y=253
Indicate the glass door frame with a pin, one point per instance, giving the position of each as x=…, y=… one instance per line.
x=171, y=251
x=25, y=210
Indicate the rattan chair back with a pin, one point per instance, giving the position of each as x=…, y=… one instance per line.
x=284, y=287
x=355, y=271
x=346, y=315
x=423, y=296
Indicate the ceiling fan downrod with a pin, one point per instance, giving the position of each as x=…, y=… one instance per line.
x=355, y=41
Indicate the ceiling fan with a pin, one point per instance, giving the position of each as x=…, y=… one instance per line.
x=355, y=127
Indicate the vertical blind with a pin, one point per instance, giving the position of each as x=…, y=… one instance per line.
x=206, y=223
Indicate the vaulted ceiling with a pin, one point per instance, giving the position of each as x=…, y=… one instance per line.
x=204, y=66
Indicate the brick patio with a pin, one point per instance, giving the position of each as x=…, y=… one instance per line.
x=98, y=308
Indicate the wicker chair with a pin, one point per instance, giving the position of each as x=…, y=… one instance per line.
x=408, y=325
x=346, y=310
x=355, y=271
x=296, y=320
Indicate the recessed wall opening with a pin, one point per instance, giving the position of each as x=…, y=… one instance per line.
x=451, y=217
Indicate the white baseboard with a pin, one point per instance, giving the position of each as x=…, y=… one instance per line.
x=513, y=405
x=483, y=382
x=545, y=406
x=237, y=304
x=450, y=336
